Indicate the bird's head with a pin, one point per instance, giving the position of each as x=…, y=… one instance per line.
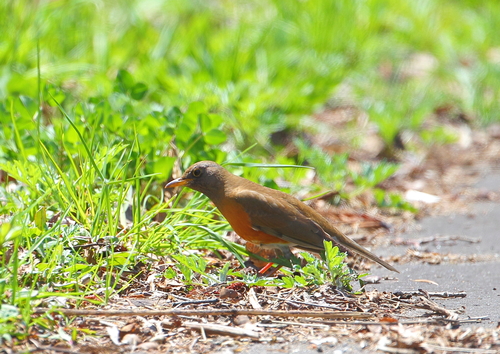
x=206, y=177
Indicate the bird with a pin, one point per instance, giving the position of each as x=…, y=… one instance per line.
x=266, y=217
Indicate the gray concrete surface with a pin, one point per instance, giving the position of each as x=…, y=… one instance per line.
x=480, y=280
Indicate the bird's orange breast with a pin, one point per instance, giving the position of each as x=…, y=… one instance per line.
x=240, y=221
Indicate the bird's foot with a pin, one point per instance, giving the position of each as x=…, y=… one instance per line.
x=265, y=271
x=268, y=270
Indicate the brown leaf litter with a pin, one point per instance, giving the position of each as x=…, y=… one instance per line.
x=318, y=316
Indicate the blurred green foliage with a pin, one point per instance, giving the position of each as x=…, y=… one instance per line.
x=101, y=100
x=262, y=65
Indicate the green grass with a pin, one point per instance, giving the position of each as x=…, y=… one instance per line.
x=101, y=101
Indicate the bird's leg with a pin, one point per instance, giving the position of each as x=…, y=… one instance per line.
x=262, y=264
x=259, y=256
x=285, y=253
x=264, y=270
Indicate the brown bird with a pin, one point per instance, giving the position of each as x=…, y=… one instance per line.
x=266, y=217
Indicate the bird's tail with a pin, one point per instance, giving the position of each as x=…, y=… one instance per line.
x=332, y=234
x=352, y=245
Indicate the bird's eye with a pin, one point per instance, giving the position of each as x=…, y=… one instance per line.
x=196, y=172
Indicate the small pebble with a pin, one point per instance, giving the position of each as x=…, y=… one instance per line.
x=371, y=279
x=241, y=320
x=131, y=339
x=148, y=345
x=226, y=293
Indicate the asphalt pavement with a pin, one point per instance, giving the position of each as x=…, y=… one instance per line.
x=479, y=278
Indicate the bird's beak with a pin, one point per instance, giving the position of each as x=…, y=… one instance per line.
x=179, y=182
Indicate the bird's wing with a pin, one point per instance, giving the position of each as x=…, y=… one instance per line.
x=281, y=218
x=288, y=220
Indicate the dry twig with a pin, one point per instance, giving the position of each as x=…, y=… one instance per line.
x=225, y=312
x=427, y=304
x=443, y=294
x=459, y=350
x=213, y=328
x=304, y=303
